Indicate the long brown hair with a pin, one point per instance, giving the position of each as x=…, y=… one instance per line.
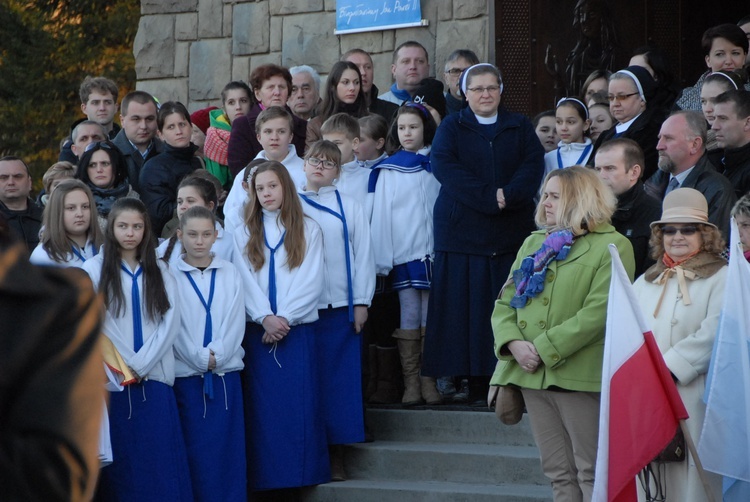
x=207, y=191
x=54, y=239
x=155, y=297
x=291, y=216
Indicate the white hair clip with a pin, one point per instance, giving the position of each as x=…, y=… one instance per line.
x=251, y=174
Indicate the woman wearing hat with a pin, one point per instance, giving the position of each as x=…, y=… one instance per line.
x=629, y=92
x=683, y=292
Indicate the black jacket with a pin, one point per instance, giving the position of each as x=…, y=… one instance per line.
x=633, y=216
x=715, y=187
x=160, y=177
x=26, y=224
x=644, y=131
x=378, y=106
x=736, y=167
x=133, y=157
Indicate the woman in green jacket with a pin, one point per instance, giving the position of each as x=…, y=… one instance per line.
x=549, y=324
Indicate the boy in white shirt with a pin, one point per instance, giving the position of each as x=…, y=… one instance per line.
x=273, y=128
x=343, y=130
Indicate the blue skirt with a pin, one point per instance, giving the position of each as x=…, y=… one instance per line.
x=459, y=340
x=340, y=368
x=284, y=429
x=415, y=274
x=149, y=457
x=214, y=431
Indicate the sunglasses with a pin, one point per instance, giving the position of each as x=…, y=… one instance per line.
x=99, y=145
x=686, y=230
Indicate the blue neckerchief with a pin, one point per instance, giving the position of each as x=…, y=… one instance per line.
x=208, y=382
x=401, y=161
x=272, y=271
x=580, y=159
x=401, y=94
x=80, y=255
x=135, y=299
x=341, y=217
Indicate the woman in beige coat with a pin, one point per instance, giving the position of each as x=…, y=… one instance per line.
x=683, y=295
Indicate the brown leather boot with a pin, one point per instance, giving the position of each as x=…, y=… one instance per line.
x=389, y=377
x=410, y=350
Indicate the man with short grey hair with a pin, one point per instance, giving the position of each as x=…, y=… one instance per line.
x=84, y=134
x=458, y=61
x=304, y=96
x=683, y=162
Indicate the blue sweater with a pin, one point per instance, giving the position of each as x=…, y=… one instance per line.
x=472, y=161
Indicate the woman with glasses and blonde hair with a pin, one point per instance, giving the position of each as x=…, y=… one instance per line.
x=103, y=169
x=490, y=164
x=549, y=324
x=681, y=296
x=630, y=92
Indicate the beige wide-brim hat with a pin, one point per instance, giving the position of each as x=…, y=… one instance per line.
x=684, y=205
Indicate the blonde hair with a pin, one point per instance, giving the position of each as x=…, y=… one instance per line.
x=58, y=170
x=585, y=201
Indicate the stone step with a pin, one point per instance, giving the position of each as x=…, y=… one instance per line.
x=472, y=427
x=449, y=462
x=361, y=490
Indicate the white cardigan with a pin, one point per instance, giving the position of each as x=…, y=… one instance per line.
x=336, y=289
x=155, y=359
x=298, y=290
x=227, y=319
x=353, y=181
x=237, y=197
x=401, y=222
x=40, y=256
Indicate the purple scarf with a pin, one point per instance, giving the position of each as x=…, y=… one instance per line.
x=529, y=278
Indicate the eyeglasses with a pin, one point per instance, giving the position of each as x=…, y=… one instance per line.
x=687, y=230
x=327, y=164
x=490, y=89
x=620, y=97
x=102, y=145
x=455, y=71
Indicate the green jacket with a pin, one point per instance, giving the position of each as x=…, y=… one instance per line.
x=566, y=321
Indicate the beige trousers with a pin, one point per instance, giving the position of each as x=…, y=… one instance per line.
x=566, y=430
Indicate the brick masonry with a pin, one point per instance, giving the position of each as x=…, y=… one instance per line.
x=187, y=50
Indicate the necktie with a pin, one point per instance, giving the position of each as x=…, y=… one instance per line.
x=208, y=383
x=135, y=299
x=673, y=185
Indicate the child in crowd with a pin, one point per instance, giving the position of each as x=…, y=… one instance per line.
x=572, y=123
x=273, y=128
x=404, y=195
x=349, y=279
x=208, y=360
x=544, y=125
x=600, y=116
x=141, y=321
x=160, y=175
x=384, y=368
x=373, y=131
x=236, y=99
x=57, y=172
x=70, y=232
x=343, y=130
x=279, y=255
x=196, y=191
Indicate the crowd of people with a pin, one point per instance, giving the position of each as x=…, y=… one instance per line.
x=251, y=256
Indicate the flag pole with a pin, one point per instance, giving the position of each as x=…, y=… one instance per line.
x=694, y=453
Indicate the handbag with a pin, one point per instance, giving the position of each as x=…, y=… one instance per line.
x=507, y=402
x=675, y=450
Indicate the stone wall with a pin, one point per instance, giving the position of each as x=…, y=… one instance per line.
x=187, y=50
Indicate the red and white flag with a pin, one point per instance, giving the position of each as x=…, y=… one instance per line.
x=640, y=407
